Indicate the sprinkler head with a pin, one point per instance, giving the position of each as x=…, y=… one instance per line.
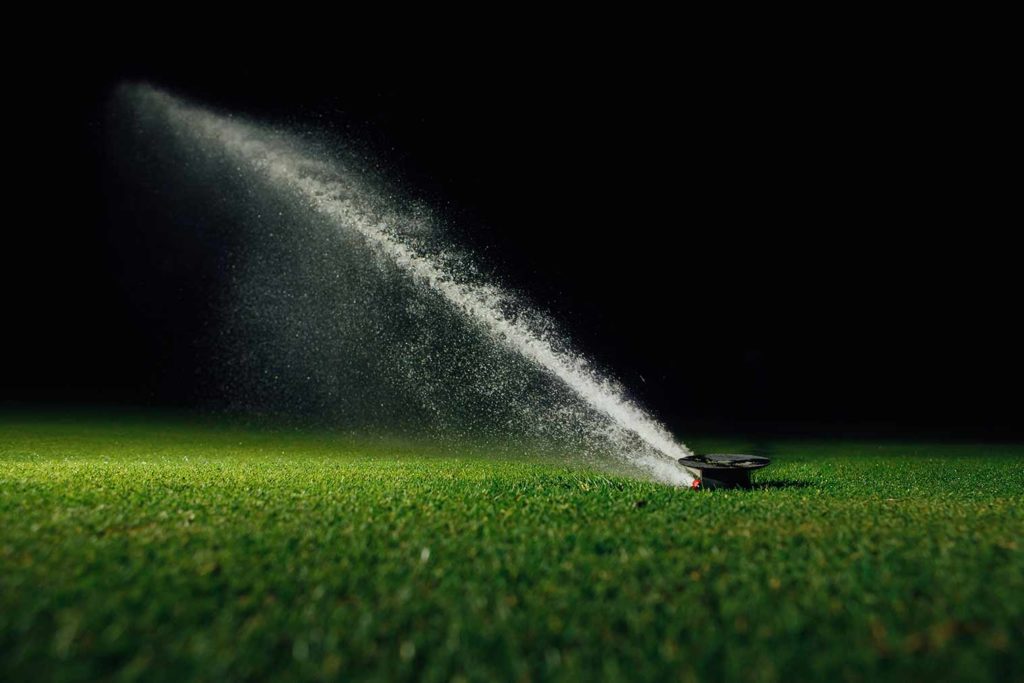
x=721, y=470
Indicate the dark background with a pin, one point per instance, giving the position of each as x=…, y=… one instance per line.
x=772, y=242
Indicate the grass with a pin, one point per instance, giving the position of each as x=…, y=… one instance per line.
x=145, y=549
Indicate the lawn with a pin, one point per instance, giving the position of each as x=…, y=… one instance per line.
x=135, y=548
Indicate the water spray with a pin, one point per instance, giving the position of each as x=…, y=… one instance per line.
x=353, y=207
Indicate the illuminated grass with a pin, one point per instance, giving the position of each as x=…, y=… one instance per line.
x=159, y=550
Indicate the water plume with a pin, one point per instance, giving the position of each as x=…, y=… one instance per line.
x=387, y=316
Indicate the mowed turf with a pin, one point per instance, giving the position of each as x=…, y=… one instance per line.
x=142, y=549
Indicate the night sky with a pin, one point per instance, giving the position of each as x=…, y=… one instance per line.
x=815, y=247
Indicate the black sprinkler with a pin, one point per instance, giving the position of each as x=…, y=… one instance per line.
x=721, y=470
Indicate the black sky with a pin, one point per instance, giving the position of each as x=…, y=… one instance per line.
x=758, y=243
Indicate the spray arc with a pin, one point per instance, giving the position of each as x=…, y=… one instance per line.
x=345, y=203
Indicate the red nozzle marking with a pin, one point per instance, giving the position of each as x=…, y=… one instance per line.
x=695, y=485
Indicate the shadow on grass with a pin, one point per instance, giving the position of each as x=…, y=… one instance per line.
x=780, y=484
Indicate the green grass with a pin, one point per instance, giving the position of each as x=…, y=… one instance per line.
x=137, y=549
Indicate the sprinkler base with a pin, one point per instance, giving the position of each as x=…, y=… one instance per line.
x=722, y=470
